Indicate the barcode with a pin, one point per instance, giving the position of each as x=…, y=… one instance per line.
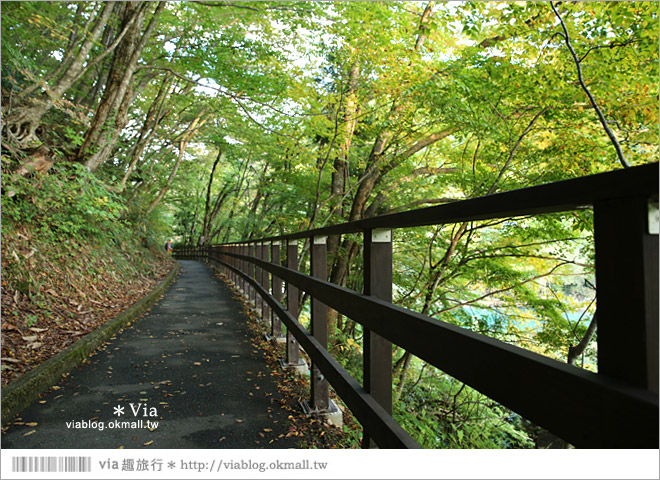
x=51, y=464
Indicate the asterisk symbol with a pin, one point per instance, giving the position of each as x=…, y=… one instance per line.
x=171, y=465
x=119, y=410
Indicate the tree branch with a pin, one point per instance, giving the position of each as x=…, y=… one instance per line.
x=599, y=112
x=427, y=201
x=427, y=171
x=575, y=351
x=611, y=45
x=107, y=51
x=501, y=290
x=245, y=7
x=423, y=26
x=225, y=93
x=493, y=187
x=429, y=140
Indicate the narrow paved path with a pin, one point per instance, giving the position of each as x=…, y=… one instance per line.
x=189, y=365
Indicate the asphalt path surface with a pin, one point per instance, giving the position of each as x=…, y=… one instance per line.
x=188, y=364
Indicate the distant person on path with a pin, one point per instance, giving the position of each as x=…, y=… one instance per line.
x=168, y=247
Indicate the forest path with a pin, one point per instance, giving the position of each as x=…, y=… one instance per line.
x=188, y=364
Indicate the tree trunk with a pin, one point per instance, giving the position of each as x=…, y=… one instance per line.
x=132, y=16
x=574, y=352
x=210, y=213
x=339, y=181
x=372, y=174
x=431, y=287
x=119, y=87
x=207, y=205
x=89, y=99
x=154, y=116
x=405, y=365
x=183, y=143
x=22, y=124
x=424, y=26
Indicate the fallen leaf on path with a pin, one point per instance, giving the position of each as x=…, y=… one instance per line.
x=148, y=443
x=29, y=433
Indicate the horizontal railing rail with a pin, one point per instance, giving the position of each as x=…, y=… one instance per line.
x=618, y=407
x=377, y=421
x=574, y=194
x=499, y=370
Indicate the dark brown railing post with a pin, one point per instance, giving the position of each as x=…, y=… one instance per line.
x=319, y=268
x=276, y=323
x=237, y=265
x=226, y=249
x=265, y=282
x=246, y=267
x=377, y=356
x=260, y=279
x=626, y=238
x=232, y=261
x=252, y=298
x=292, y=346
x=242, y=265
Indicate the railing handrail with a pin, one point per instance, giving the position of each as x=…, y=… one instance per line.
x=564, y=195
x=502, y=367
x=620, y=404
x=344, y=383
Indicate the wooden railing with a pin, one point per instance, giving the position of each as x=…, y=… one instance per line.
x=615, y=408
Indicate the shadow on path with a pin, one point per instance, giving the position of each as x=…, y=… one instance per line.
x=188, y=364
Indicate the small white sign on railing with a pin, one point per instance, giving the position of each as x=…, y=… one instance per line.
x=381, y=235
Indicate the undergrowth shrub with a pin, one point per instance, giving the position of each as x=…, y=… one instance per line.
x=67, y=203
x=68, y=240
